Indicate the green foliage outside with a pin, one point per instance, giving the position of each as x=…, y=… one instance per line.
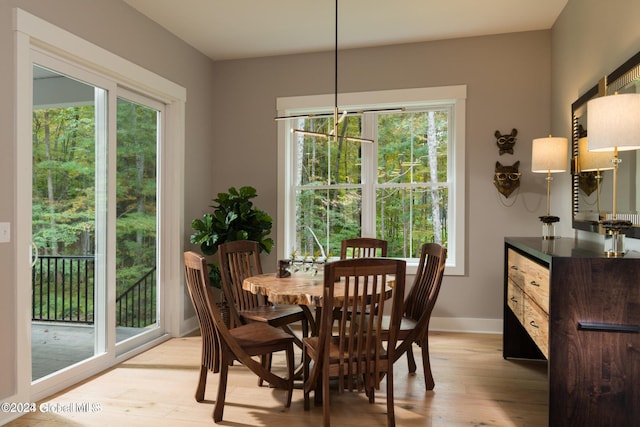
x=64, y=194
x=411, y=188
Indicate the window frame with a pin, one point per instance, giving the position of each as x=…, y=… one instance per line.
x=415, y=98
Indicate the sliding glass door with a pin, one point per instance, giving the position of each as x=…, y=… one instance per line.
x=136, y=305
x=94, y=218
x=68, y=117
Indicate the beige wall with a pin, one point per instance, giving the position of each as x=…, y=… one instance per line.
x=590, y=39
x=508, y=86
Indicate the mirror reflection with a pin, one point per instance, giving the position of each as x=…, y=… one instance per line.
x=592, y=179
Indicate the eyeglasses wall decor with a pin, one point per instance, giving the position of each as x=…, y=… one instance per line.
x=589, y=209
x=506, y=178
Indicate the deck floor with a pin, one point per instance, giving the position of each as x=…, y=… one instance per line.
x=55, y=346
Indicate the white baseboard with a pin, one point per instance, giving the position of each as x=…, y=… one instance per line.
x=466, y=324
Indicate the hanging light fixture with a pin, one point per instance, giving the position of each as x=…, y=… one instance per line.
x=337, y=117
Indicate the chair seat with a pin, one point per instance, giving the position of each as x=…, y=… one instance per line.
x=275, y=315
x=253, y=337
x=312, y=344
x=406, y=326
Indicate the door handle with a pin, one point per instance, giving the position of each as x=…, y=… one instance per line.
x=33, y=254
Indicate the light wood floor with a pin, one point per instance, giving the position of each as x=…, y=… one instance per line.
x=475, y=386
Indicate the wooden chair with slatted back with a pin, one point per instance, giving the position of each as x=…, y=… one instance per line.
x=241, y=259
x=363, y=247
x=414, y=326
x=221, y=345
x=351, y=349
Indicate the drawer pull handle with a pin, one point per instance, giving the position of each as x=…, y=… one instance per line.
x=534, y=283
x=608, y=327
x=513, y=299
x=533, y=324
x=514, y=267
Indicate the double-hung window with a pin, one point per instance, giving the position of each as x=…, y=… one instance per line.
x=406, y=187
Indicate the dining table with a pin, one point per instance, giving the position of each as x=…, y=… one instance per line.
x=302, y=288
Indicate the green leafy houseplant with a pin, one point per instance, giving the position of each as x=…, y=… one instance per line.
x=234, y=217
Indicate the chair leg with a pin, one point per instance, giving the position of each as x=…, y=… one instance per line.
x=202, y=384
x=391, y=417
x=266, y=362
x=325, y=399
x=291, y=373
x=305, y=375
x=222, y=391
x=426, y=365
x=411, y=361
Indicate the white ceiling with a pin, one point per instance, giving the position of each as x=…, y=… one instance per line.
x=233, y=29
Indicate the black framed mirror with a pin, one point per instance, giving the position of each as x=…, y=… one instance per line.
x=590, y=201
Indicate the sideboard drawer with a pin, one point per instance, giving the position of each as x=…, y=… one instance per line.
x=536, y=323
x=531, y=276
x=515, y=271
x=536, y=279
x=515, y=300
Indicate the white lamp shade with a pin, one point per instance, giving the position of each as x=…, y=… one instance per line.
x=614, y=122
x=593, y=160
x=549, y=155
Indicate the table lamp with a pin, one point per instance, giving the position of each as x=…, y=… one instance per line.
x=613, y=126
x=549, y=155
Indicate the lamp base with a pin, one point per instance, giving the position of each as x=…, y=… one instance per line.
x=548, y=227
x=614, y=237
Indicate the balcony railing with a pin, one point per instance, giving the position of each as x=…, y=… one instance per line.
x=63, y=291
x=136, y=307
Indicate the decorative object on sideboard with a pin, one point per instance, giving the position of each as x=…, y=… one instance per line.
x=506, y=141
x=506, y=178
x=549, y=155
x=613, y=127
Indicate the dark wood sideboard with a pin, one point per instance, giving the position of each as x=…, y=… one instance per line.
x=566, y=303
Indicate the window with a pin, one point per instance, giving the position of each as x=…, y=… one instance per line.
x=407, y=187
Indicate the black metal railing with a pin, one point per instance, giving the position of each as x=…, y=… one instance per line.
x=63, y=291
x=136, y=307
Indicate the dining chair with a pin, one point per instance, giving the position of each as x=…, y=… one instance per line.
x=363, y=247
x=241, y=259
x=351, y=349
x=418, y=305
x=221, y=346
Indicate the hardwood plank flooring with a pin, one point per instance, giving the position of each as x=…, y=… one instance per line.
x=475, y=386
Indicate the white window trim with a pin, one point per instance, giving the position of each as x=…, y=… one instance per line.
x=31, y=33
x=456, y=260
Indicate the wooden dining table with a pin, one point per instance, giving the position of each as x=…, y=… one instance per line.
x=302, y=289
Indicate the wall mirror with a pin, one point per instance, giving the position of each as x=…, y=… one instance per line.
x=588, y=204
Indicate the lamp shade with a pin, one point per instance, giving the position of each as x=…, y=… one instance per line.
x=549, y=155
x=614, y=122
x=592, y=160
